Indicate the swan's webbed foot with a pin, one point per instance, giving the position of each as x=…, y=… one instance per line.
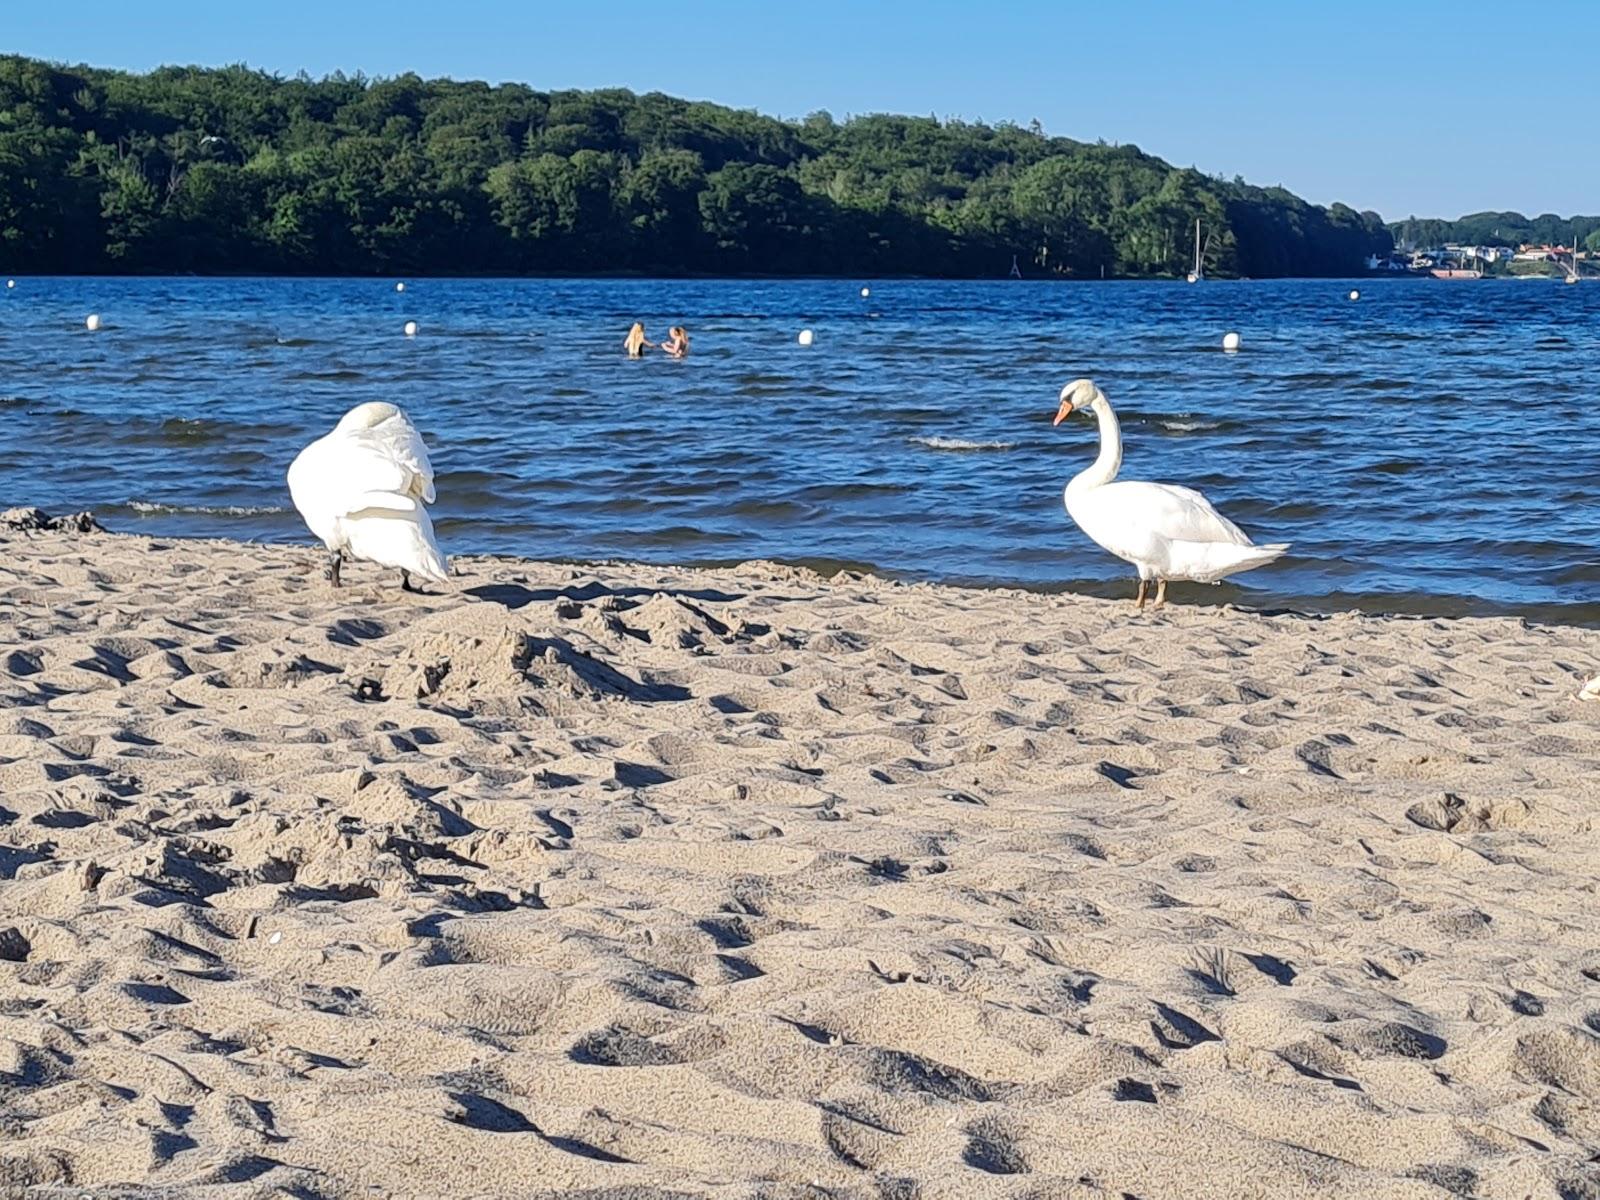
x=407, y=586
x=1161, y=593
x=335, y=561
x=1138, y=604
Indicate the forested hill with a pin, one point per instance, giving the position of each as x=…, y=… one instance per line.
x=233, y=170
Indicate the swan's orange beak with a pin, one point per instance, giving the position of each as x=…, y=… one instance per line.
x=1064, y=412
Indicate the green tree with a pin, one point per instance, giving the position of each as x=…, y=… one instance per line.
x=752, y=214
x=660, y=199
x=132, y=212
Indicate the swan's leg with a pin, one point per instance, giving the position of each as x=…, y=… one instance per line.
x=405, y=582
x=1161, y=592
x=335, y=561
x=1144, y=586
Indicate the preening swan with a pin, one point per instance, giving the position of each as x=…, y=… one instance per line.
x=362, y=488
x=1167, y=532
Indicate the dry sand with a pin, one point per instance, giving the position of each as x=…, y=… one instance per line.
x=742, y=883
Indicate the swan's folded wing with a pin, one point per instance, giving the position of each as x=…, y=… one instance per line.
x=1177, y=513
x=358, y=468
x=360, y=465
x=350, y=473
x=398, y=439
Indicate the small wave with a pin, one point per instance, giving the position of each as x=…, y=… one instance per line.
x=960, y=444
x=851, y=491
x=190, y=427
x=771, y=510
x=210, y=510
x=345, y=375
x=1189, y=426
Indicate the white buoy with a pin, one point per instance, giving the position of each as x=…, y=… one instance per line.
x=411, y=329
x=399, y=287
x=1355, y=295
x=1230, y=341
x=806, y=337
x=92, y=322
x=865, y=292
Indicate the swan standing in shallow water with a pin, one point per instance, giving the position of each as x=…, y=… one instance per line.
x=362, y=488
x=1167, y=532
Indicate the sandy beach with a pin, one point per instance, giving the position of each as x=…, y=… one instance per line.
x=635, y=882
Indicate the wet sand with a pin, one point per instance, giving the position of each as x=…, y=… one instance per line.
x=745, y=883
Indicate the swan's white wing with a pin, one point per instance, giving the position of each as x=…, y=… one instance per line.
x=398, y=442
x=366, y=466
x=351, y=471
x=383, y=467
x=1178, y=514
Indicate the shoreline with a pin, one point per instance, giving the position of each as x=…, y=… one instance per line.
x=1229, y=595
x=746, y=881
x=696, y=277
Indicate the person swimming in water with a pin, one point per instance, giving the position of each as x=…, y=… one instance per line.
x=677, y=343
x=635, y=343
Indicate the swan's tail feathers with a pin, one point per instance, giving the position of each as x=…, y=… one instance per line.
x=431, y=562
x=426, y=558
x=400, y=542
x=1208, y=562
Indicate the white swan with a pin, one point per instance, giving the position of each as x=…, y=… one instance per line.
x=362, y=488
x=1166, y=532
x=1590, y=690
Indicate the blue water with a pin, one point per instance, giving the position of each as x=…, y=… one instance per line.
x=1432, y=447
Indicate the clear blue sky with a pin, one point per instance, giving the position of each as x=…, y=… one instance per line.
x=1409, y=106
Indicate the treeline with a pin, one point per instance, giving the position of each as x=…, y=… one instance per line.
x=234, y=170
x=1496, y=229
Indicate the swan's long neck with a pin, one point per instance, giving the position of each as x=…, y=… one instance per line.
x=1104, y=468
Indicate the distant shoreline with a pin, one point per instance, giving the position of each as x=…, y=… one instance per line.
x=17, y=273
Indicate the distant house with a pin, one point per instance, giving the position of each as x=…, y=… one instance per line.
x=1531, y=253
x=1453, y=252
